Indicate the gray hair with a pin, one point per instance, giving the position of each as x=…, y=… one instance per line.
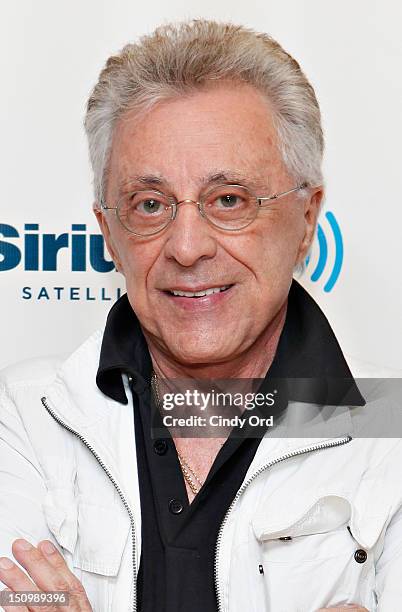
x=182, y=58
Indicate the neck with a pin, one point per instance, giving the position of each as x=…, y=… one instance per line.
x=252, y=363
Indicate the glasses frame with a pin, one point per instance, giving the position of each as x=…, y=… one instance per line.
x=174, y=203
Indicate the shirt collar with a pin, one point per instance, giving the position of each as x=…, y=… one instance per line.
x=308, y=354
x=124, y=350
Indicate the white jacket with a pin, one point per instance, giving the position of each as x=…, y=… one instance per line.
x=68, y=473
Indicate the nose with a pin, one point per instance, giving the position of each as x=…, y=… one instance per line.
x=190, y=238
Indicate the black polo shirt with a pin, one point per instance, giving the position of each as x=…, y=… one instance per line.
x=176, y=571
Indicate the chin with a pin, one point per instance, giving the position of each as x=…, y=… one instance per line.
x=197, y=353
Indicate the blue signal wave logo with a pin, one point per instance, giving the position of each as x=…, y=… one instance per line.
x=323, y=260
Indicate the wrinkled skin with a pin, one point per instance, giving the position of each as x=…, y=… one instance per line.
x=227, y=130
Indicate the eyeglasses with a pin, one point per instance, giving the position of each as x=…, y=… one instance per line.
x=228, y=207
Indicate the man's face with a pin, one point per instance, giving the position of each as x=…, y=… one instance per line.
x=220, y=135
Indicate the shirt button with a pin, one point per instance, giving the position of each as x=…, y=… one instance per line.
x=175, y=506
x=160, y=447
x=360, y=556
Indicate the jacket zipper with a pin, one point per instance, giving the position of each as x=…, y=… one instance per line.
x=308, y=449
x=295, y=453
x=119, y=491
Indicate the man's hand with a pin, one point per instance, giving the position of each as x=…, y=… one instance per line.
x=49, y=572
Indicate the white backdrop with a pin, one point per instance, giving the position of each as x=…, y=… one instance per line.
x=51, y=54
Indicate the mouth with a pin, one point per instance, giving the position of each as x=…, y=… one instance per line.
x=198, y=294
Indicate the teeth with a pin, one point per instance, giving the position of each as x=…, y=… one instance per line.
x=200, y=293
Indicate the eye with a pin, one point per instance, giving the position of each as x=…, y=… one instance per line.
x=149, y=206
x=225, y=200
x=228, y=200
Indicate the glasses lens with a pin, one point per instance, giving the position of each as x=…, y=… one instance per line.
x=144, y=212
x=230, y=206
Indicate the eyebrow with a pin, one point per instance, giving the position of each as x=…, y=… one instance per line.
x=233, y=176
x=215, y=177
x=143, y=179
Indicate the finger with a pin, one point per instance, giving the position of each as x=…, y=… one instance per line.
x=14, y=577
x=57, y=561
x=44, y=576
x=10, y=608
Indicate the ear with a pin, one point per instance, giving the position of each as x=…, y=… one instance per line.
x=312, y=207
x=105, y=229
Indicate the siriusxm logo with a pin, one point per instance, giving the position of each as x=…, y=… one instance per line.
x=37, y=251
x=323, y=260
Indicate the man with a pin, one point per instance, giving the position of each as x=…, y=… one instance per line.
x=206, y=146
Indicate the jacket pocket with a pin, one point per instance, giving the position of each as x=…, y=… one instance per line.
x=325, y=521
x=94, y=537
x=325, y=556
x=102, y=536
x=93, y=534
x=61, y=513
x=102, y=533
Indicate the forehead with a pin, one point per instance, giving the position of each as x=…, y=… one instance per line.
x=228, y=129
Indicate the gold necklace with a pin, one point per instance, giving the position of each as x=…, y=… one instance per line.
x=190, y=476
